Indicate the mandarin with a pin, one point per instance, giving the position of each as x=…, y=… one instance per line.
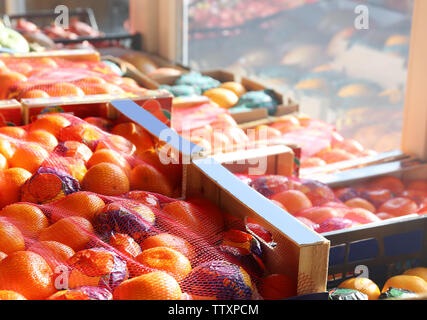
x=11, y=182
x=407, y=282
x=11, y=295
x=11, y=238
x=151, y=286
x=109, y=156
x=79, y=204
x=29, y=219
x=51, y=123
x=135, y=134
x=399, y=206
x=55, y=253
x=106, y=179
x=363, y=285
x=147, y=178
x=29, y=156
x=170, y=241
x=360, y=203
x=125, y=244
x=28, y=274
x=293, y=200
x=13, y=132
x=43, y=137
x=75, y=232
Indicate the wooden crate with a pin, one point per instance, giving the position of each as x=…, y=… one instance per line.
x=11, y=113
x=382, y=249
x=299, y=253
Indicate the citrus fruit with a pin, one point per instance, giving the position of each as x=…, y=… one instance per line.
x=10, y=183
x=109, y=156
x=64, y=90
x=125, y=244
x=29, y=219
x=74, y=149
x=117, y=143
x=147, y=178
x=50, y=123
x=8, y=79
x=363, y=285
x=395, y=185
x=151, y=286
x=13, y=132
x=6, y=148
x=277, y=287
x=44, y=138
x=407, y=282
x=320, y=214
x=419, y=272
x=34, y=94
x=312, y=162
x=80, y=204
x=106, y=179
x=28, y=274
x=29, y=156
x=11, y=239
x=135, y=134
x=82, y=132
x=184, y=213
x=11, y=295
x=55, y=253
x=360, y=203
x=75, y=232
x=293, y=200
x=3, y=162
x=170, y=241
x=361, y=215
x=166, y=259
x=399, y=206
x=336, y=155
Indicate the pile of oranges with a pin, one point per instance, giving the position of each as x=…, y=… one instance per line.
x=56, y=77
x=325, y=210
x=88, y=212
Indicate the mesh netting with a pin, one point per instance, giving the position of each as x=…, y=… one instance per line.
x=57, y=77
x=325, y=210
x=90, y=212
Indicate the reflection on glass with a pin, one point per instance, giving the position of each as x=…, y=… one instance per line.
x=351, y=77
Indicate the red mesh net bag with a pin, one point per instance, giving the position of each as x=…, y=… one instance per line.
x=324, y=209
x=89, y=212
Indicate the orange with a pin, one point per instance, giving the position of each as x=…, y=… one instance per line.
x=286, y=124
x=399, y=206
x=11, y=295
x=100, y=88
x=101, y=123
x=109, y=156
x=117, y=143
x=64, y=90
x=377, y=196
x=43, y=137
x=336, y=155
x=312, y=162
x=135, y=134
x=360, y=203
x=75, y=232
x=170, y=241
x=419, y=185
x=320, y=214
x=7, y=80
x=34, y=94
x=384, y=216
x=90, y=80
x=79, y=204
x=6, y=148
x=29, y=156
x=363, y=285
x=27, y=273
x=51, y=123
x=264, y=133
x=125, y=244
x=419, y=272
x=220, y=142
x=47, y=62
x=151, y=286
x=2, y=255
x=293, y=200
x=11, y=239
x=3, y=162
x=29, y=219
x=407, y=282
x=10, y=185
x=147, y=178
x=83, y=132
x=106, y=179
x=166, y=259
x=236, y=87
x=184, y=213
x=23, y=68
x=13, y=132
x=277, y=287
x=75, y=149
x=361, y=215
x=223, y=97
x=55, y=253
x=395, y=185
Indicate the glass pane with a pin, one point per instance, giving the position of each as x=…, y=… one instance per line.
x=344, y=61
